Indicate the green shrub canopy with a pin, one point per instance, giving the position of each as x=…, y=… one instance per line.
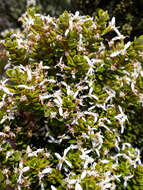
x=65, y=104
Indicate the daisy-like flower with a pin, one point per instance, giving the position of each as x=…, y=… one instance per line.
x=63, y=159
x=121, y=118
x=21, y=171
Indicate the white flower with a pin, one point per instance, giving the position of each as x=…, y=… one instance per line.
x=53, y=114
x=121, y=118
x=86, y=157
x=29, y=21
x=63, y=159
x=20, y=43
x=31, y=3
x=34, y=153
x=22, y=170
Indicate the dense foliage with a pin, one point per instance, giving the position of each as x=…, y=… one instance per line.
x=69, y=95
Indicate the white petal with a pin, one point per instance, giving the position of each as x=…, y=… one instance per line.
x=6, y=90
x=113, y=21
x=25, y=169
x=47, y=170
x=95, y=97
x=53, y=188
x=61, y=111
x=72, y=181
x=2, y=134
x=26, y=87
x=58, y=156
x=66, y=151
x=68, y=163
x=1, y=104
x=104, y=161
x=76, y=13
x=66, y=32
x=127, y=46
x=28, y=150
x=108, y=185
x=21, y=165
x=78, y=186
x=114, y=54
x=83, y=174
x=42, y=187
x=29, y=74
x=51, y=80
x=46, y=67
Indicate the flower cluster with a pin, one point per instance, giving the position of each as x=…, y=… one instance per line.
x=64, y=104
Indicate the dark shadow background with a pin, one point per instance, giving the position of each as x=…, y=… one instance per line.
x=128, y=13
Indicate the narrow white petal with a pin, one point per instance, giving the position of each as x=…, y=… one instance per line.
x=66, y=32
x=25, y=169
x=29, y=74
x=78, y=186
x=53, y=188
x=26, y=87
x=72, y=181
x=61, y=111
x=104, y=161
x=114, y=54
x=58, y=156
x=83, y=174
x=68, y=163
x=47, y=170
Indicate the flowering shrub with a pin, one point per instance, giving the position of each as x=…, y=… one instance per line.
x=66, y=102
